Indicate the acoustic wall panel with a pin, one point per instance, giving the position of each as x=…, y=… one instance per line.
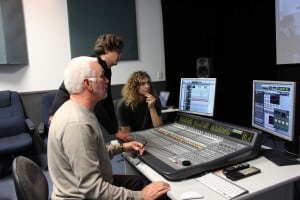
x=13, y=48
x=90, y=18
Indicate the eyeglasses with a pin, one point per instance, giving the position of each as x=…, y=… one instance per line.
x=94, y=79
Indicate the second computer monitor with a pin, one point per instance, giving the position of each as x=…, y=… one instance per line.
x=197, y=96
x=273, y=107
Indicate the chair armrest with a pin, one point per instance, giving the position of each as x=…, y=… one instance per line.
x=41, y=128
x=30, y=125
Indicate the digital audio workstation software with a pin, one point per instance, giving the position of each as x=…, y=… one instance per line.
x=273, y=107
x=197, y=96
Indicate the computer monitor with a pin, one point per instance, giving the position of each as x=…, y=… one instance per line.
x=197, y=96
x=273, y=111
x=273, y=107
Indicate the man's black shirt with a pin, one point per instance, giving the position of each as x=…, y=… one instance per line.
x=104, y=109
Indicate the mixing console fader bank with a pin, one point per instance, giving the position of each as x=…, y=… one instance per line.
x=193, y=145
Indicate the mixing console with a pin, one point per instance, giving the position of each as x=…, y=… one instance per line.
x=193, y=145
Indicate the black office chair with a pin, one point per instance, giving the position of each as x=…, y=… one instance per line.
x=29, y=180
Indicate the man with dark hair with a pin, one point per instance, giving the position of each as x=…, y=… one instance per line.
x=108, y=50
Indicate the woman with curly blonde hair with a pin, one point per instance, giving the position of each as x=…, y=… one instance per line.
x=140, y=108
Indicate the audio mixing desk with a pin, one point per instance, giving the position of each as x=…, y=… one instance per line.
x=193, y=145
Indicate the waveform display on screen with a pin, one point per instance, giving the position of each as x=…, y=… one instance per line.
x=197, y=95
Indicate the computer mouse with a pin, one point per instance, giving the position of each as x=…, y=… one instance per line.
x=190, y=195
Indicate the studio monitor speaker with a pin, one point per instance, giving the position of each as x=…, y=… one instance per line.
x=204, y=67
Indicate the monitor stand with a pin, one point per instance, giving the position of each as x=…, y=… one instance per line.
x=280, y=158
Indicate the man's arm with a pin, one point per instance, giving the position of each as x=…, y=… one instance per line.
x=109, y=121
x=89, y=167
x=105, y=118
x=123, y=117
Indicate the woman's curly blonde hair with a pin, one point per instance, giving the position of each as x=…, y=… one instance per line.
x=130, y=90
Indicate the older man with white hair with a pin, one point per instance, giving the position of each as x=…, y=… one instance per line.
x=78, y=159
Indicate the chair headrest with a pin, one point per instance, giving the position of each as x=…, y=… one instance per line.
x=5, y=98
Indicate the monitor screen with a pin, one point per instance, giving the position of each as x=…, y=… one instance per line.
x=163, y=97
x=273, y=107
x=197, y=96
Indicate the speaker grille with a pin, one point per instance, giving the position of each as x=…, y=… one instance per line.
x=204, y=67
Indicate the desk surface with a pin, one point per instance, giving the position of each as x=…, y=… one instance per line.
x=271, y=176
x=169, y=110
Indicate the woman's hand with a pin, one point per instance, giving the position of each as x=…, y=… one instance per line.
x=150, y=99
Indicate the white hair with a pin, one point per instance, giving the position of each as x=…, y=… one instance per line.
x=77, y=70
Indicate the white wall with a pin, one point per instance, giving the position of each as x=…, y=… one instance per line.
x=47, y=33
